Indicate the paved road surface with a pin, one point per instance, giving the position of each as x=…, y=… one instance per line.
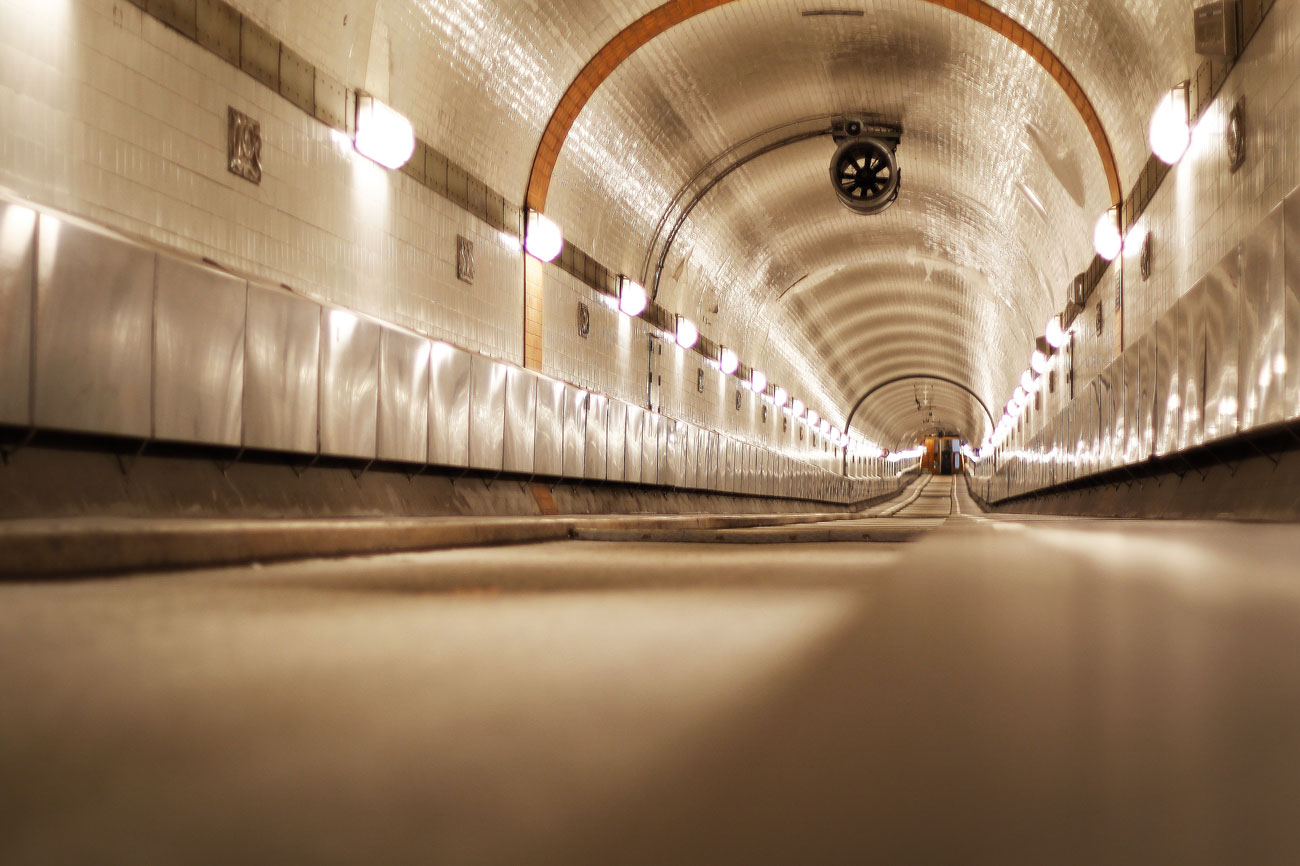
x=992, y=692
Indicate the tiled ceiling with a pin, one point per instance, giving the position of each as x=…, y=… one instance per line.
x=1001, y=181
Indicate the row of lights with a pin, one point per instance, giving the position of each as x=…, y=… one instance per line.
x=1169, y=136
x=543, y=240
x=1055, y=338
x=388, y=138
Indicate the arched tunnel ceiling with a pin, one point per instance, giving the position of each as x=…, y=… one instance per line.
x=956, y=278
x=1001, y=179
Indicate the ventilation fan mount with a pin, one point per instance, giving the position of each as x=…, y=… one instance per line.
x=864, y=169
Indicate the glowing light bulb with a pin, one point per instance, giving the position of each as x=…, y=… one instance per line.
x=1057, y=336
x=687, y=334
x=729, y=362
x=1106, y=239
x=382, y=134
x=759, y=380
x=782, y=397
x=1170, y=131
x=542, y=238
x=1039, y=363
x=631, y=298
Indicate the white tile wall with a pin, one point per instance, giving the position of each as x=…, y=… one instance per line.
x=112, y=116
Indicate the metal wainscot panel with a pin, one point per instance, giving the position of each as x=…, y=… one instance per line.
x=487, y=413
x=94, y=322
x=1168, y=396
x=650, y=449
x=1261, y=362
x=403, y=429
x=1222, y=305
x=594, y=460
x=548, y=455
x=449, y=377
x=635, y=423
x=1189, y=324
x=575, y=431
x=17, y=284
x=616, y=438
x=1291, y=302
x=349, y=387
x=521, y=421
x=281, y=371
x=198, y=390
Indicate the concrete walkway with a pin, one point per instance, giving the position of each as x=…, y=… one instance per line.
x=999, y=691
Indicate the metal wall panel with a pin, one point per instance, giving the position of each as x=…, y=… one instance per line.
x=597, y=423
x=1189, y=325
x=94, y=322
x=403, y=429
x=1106, y=402
x=1221, y=317
x=17, y=284
x=349, y=384
x=1261, y=360
x=632, y=458
x=487, y=413
x=650, y=448
x=521, y=421
x=198, y=368
x=548, y=454
x=1291, y=303
x=281, y=371
x=1132, y=362
x=575, y=431
x=1168, y=395
x=449, y=402
x=1147, y=394
x=616, y=437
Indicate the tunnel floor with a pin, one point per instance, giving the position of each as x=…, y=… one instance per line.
x=997, y=690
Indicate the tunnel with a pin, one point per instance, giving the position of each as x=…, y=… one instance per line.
x=628, y=431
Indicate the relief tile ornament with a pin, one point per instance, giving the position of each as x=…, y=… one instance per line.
x=244, y=147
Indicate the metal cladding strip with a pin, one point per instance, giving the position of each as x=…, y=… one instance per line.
x=674, y=12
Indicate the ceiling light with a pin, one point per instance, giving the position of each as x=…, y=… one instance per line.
x=782, y=397
x=631, y=297
x=1106, y=239
x=382, y=134
x=1039, y=363
x=687, y=334
x=759, y=380
x=1020, y=397
x=1170, y=132
x=812, y=417
x=1057, y=336
x=728, y=362
x=542, y=238
x=1027, y=382
x=796, y=408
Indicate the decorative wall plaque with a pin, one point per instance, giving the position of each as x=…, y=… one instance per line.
x=764, y=414
x=1235, y=131
x=737, y=399
x=244, y=147
x=1101, y=319
x=465, y=260
x=584, y=321
x=699, y=379
x=1144, y=259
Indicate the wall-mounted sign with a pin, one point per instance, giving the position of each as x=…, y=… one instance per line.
x=244, y=146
